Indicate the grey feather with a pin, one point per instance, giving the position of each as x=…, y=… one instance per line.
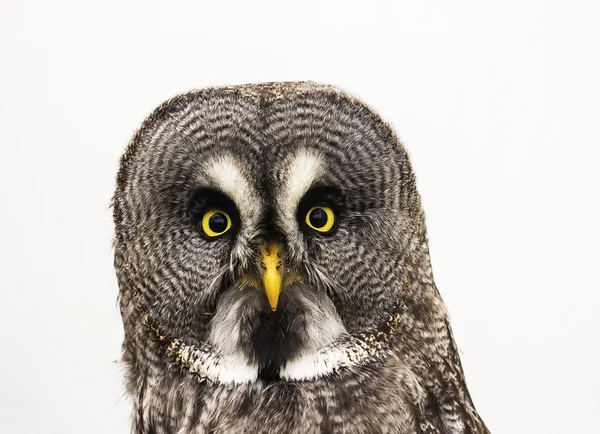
x=360, y=341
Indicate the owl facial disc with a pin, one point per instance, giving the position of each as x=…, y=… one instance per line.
x=266, y=212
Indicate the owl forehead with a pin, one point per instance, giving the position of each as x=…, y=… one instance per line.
x=267, y=153
x=284, y=147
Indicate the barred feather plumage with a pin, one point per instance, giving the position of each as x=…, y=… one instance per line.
x=361, y=342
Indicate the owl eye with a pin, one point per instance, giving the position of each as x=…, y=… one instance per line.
x=215, y=222
x=320, y=218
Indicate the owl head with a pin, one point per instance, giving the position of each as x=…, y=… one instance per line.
x=268, y=232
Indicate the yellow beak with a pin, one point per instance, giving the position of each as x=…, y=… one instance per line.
x=271, y=269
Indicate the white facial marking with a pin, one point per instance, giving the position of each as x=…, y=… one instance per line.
x=304, y=168
x=226, y=174
x=227, y=369
x=320, y=364
x=232, y=370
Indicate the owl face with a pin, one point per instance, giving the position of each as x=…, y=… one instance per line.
x=263, y=224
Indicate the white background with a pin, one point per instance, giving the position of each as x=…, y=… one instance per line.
x=497, y=102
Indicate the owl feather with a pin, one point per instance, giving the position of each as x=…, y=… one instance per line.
x=274, y=272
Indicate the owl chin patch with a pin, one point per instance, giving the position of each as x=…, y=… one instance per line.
x=244, y=327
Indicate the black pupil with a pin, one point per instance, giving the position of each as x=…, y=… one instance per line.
x=318, y=218
x=217, y=222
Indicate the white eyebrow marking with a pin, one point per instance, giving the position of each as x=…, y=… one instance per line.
x=226, y=174
x=304, y=168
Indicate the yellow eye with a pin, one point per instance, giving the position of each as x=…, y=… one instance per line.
x=320, y=218
x=215, y=222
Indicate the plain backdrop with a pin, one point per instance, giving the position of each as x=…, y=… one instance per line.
x=497, y=103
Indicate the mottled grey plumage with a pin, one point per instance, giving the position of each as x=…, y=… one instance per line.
x=360, y=341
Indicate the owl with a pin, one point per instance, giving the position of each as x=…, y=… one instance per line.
x=274, y=273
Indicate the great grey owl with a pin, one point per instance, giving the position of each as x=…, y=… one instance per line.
x=274, y=272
